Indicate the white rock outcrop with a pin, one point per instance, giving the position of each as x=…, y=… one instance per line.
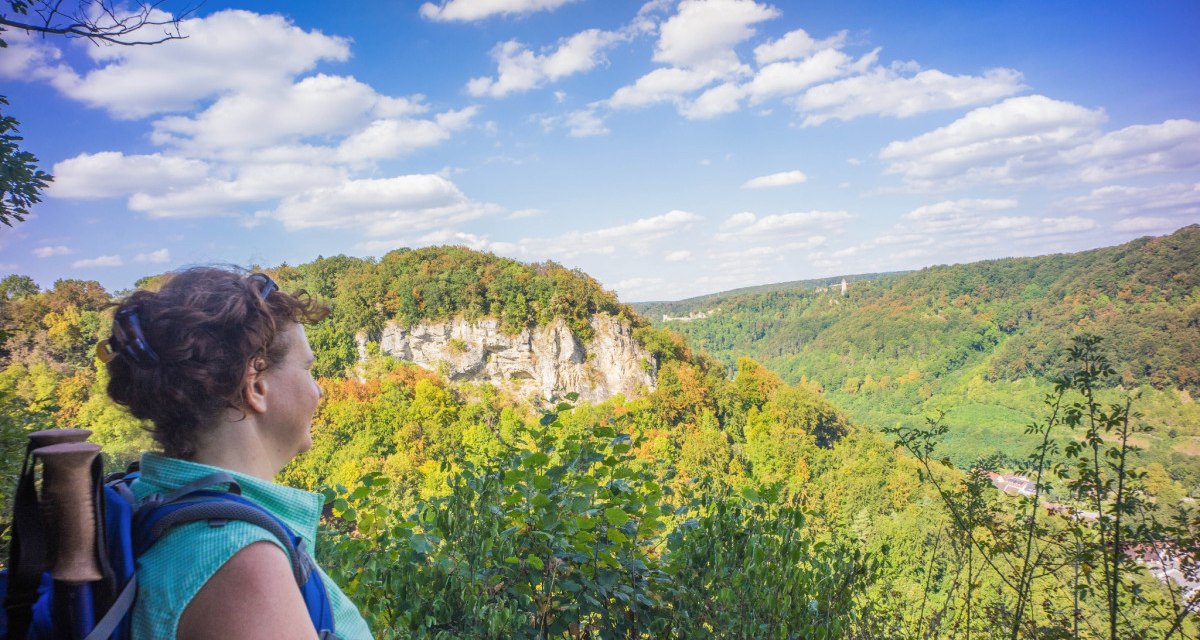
x=548, y=361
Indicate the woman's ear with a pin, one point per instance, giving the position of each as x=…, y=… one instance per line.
x=254, y=391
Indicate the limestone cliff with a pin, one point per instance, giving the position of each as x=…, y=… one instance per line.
x=547, y=361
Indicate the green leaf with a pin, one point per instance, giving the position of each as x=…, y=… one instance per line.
x=541, y=483
x=615, y=516
x=535, y=562
x=538, y=459
x=512, y=476
x=616, y=536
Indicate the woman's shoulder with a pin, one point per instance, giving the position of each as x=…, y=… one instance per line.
x=172, y=571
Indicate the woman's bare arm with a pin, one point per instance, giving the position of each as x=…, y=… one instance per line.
x=253, y=596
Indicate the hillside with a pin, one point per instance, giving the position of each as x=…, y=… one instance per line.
x=713, y=505
x=712, y=300
x=409, y=287
x=980, y=340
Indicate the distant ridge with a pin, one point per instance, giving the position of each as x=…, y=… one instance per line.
x=655, y=309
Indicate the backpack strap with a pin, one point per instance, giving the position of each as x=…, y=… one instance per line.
x=195, y=503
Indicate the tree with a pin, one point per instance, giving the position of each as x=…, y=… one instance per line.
x=101, y=22
x=21, y=182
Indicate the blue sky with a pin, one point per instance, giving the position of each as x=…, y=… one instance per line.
x=669, y=148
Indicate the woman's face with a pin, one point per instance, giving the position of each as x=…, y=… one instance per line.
x=292, y=395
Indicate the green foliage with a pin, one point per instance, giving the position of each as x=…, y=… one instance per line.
x=21, y=182
x=569, y=536
x=980, y=341
x=1103, y=522
x=748, y=568
x=556, y=540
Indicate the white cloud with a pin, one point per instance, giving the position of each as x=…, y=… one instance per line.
x=391, y=138
x=519, y=69
x=228, y=51
x=99, y=261
x=254, y=184
x=747, y=226
x=381, y=206
x=703, y=33
x=48, y=251
x=678, y=256
x=641, y=236
x=1145, y=223
x=154, y=257
x=28, y=56
x=884, y=91
x=1171, y=146
x=524, y=213
x=111, y=173
x=317, y=106
x=667, y=84
x=585, y=123
x=1037, y=139
x=630, y=288
x=795, y=45
x=781, y=179
x=721, y=99
x=470, y=10
x=1164, y=199
x=971, y=222
x=791, y=77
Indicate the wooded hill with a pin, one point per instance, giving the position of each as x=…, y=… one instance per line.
x=980, y=340
x=725, y=504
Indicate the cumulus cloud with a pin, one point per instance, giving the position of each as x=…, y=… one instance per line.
x=642, y=236
x=885, y=91
x=795, y=45
x=1038, y=139
x=1145, y=223
x=705, y=78
x=703, y=33
x=267, y=141
x=747, y=226
x=678, y=256
x=790, y=77
x=960, y=220
x=390, y=138
x=99, y=261
x=226, y=52
x=471, y=10
x=1165, y=199
x=519, y=69
x=154, y=257
x=111, y=173
x=381, y=206
x=781, y=179
x=254, y=184
x=51, y=251
x=585, y=123
x=667, y=84
x=29, y=56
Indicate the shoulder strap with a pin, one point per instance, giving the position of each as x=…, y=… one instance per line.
x=195, y=503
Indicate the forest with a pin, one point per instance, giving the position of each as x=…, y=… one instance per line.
x=809, y=465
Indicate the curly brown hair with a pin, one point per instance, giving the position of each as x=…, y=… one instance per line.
x=200, y=332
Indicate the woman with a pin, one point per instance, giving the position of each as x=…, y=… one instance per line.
x=220, y=364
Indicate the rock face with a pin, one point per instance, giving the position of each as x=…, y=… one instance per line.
x=548, y=361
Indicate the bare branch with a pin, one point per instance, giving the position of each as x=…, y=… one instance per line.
x=98, y=21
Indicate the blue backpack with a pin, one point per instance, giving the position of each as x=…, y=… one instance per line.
x=34, y=609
